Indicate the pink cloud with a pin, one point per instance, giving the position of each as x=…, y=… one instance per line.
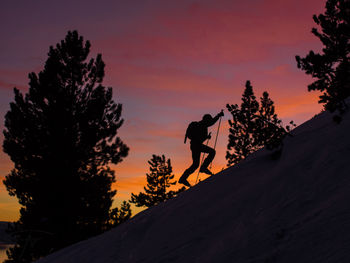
x=10, y=79
x=231, y=34
x=161, y=78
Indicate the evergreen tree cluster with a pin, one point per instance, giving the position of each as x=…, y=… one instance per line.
x=253, y=126
x=331, y=67
x=120, y=215
x=159, y=180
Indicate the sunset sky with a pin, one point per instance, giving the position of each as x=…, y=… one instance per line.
x=169, y=63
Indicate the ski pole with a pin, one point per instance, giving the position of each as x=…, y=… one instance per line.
x=200, y=164
x=216, y=139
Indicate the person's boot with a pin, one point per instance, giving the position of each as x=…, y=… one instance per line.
x=184, y=182
x=206, y=171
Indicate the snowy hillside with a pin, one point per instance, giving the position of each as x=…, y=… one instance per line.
x=4, y=237
x=295, y=209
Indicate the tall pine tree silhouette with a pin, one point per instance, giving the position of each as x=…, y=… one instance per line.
x=61, y=137
x=241, y=140
x=331, y=67
x=159, y=180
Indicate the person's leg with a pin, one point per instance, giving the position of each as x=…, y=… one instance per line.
x=211, y=154
x=196, y=154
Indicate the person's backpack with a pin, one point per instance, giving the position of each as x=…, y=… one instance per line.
x=192, y=131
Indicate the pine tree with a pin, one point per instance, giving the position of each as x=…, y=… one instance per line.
x=120, y=215
x=159, y=180
x=270, y=131
x=61, y=137
x=241, y=140
x=331, y=67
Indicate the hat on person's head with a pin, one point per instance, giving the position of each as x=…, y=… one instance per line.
x=207, y=117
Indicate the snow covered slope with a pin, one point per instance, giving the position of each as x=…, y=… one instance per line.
x=5, y=238
x=295, y=209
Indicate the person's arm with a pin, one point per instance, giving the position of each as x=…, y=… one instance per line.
x=215, y=119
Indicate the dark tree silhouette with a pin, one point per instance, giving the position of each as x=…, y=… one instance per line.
x=331, y=67
x=253, y=127
x=61, y=137
x=270, y=131
x=159, y=180
x=242, y=126
x=120, y=215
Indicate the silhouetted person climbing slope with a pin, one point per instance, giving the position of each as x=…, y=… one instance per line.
x=197, y=132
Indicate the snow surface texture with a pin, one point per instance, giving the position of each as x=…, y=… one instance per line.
x=295, y=209
x=4, y=237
